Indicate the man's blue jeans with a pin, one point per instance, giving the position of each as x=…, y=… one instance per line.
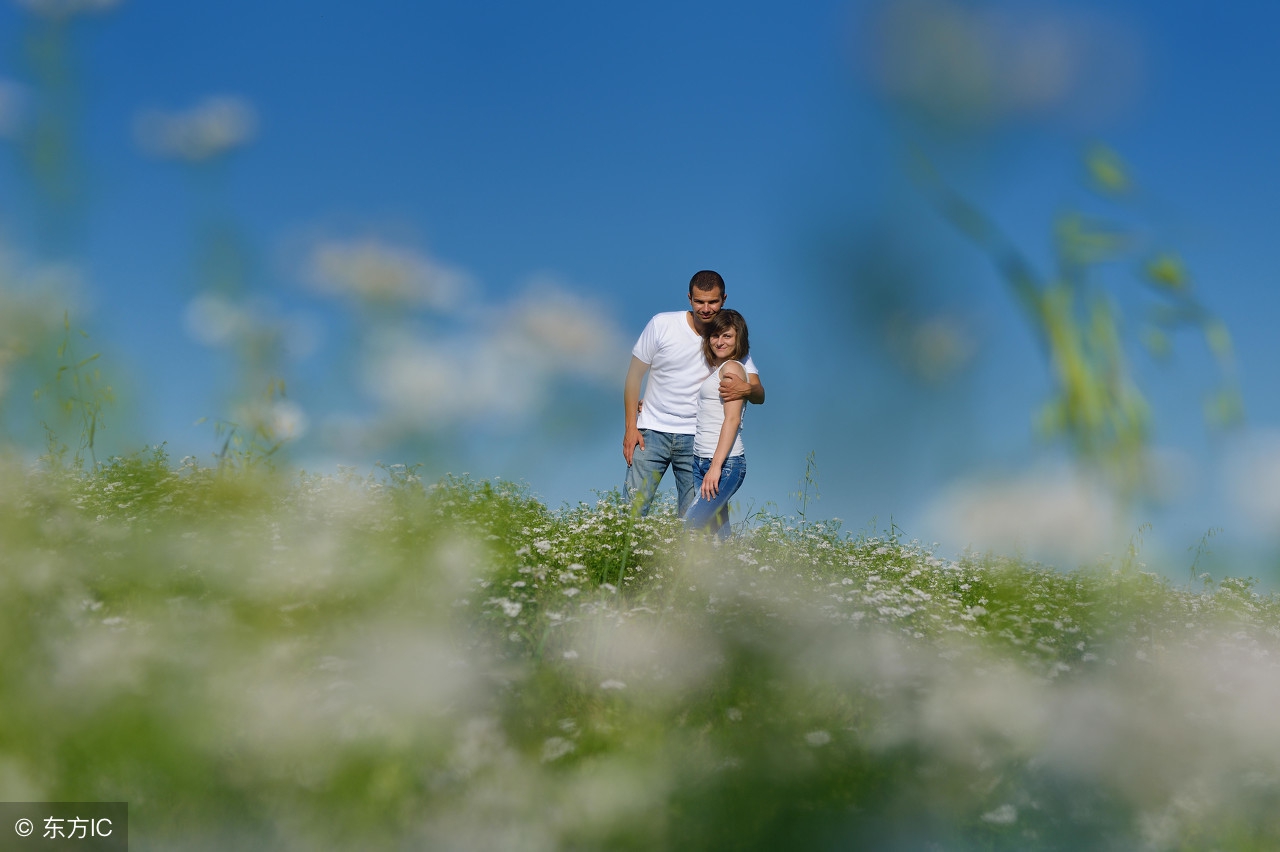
x=661, y=450
x=713, y=514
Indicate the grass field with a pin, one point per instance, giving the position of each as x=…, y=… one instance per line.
x=261, y=661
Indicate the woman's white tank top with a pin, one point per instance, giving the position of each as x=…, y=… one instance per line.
x=711, y=418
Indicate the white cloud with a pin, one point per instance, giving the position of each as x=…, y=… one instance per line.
x=210, y=128
x=374, y=271
x=1049, y=513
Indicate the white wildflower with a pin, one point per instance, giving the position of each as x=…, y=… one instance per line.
x=554, y=748
x=817, y=739
x=1006, y=814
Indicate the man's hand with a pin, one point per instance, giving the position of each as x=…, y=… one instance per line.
x=631, y=402
x=733, y=388
x=630, y=441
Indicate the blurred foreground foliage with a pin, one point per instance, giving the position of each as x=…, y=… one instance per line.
x=331, y=662
x=1097, y=407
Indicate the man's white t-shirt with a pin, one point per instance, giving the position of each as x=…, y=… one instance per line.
x=673, y=352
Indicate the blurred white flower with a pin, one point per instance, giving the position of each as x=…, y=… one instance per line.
x=1006, y=814
x=67, y=8
x=424, y=383
x=613, y=684
x=500, y=373
x=479, y=743
x=280, y=418
x=288, y=420
x=212, y=127
x=968, y=62
x=377, y=272
x=562, y=330
x=302, y=335
x=12, y=105
x=817, y=739
x=1045, y=513
x=32, y=305
x=932, y=349
x=1252, y=477
x=554, y=748
x=215, y=320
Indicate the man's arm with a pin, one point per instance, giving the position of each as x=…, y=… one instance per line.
x=734, y=388
x=631, y=436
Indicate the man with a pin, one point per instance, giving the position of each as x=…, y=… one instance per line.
x=659, y=433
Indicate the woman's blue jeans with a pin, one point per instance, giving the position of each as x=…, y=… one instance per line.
x=704, y=514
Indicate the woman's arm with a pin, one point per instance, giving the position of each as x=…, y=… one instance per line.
x=728, y=434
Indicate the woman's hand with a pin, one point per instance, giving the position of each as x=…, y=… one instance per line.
x=711, y=482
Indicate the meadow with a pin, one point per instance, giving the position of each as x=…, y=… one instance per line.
x=261, y=660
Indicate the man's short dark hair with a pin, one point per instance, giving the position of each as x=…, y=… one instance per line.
x=706, y=280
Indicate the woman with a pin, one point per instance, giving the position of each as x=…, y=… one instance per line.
x=720, y=463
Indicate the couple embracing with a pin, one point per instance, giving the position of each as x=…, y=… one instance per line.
x=700, y=377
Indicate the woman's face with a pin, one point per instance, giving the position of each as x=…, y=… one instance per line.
x=725, y=344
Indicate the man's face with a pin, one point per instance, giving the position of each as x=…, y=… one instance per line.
x=705, y=304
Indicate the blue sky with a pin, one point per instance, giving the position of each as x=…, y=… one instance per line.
x=546, y=177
